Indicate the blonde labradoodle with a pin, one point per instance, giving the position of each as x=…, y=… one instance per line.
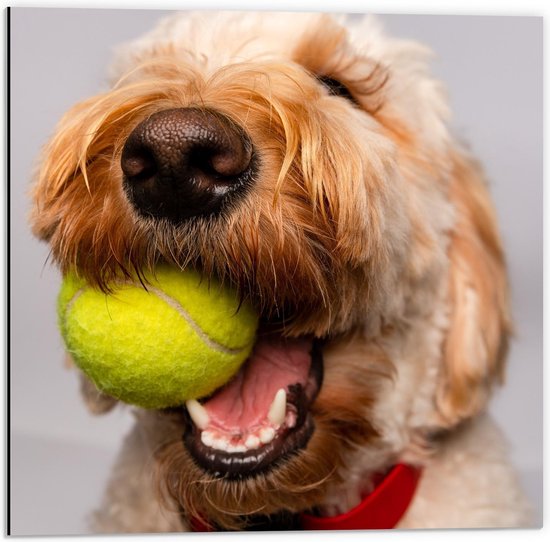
x=309, y=163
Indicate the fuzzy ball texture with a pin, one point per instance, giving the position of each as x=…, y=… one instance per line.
x=180, y=337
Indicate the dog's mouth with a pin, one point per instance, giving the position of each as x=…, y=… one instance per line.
x=262, y=416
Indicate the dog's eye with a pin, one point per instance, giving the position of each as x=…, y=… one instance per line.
x=336, y=87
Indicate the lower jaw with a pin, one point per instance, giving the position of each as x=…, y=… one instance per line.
x=237, y=466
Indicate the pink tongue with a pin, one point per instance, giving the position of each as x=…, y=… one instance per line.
x=244, y=402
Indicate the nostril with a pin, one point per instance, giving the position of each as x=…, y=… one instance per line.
x=220, y=162
x=138, y=165
x=186, y=162
x=231, y=161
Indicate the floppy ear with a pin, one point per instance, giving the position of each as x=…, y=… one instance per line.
x=96, y=401
x=479, y=321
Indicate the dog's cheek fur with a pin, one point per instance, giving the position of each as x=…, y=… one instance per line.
x=450, y=355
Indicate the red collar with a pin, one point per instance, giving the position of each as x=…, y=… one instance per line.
x=381, y=509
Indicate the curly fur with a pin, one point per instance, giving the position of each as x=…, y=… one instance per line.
x=369, y=226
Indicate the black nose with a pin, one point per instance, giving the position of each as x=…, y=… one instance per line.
x=186, y=162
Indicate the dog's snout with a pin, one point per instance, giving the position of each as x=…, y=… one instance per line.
x=186, y=162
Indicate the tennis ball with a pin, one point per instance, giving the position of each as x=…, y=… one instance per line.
x=180, y=337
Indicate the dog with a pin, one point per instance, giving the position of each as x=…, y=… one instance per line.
x=307, y=160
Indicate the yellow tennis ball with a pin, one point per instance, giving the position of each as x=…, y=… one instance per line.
x=181, y=337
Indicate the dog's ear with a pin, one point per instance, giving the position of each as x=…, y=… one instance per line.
x=96, y=401
x=479, y=320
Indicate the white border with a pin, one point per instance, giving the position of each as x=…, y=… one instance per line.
x=458, y=7
x=451, y=7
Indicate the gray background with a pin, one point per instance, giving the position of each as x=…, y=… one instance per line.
x=61, y=455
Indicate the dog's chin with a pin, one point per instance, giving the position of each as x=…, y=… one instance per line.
x=262, y=417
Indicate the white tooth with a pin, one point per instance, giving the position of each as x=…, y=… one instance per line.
x=235, y=448
x=207, y=438
x=252, y=442
x=277, y=410
x=290, y=420
x=267, y=434
x=198, y=413
x=221, y=444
